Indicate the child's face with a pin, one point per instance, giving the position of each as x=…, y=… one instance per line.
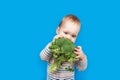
x=69, y=30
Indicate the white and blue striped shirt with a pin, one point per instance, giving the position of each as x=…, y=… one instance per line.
x=61, y=74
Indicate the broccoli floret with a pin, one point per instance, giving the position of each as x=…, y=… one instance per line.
x=62, y=50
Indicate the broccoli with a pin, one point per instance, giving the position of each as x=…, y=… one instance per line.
x=62, y=50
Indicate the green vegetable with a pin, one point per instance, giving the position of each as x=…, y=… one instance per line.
x=62, y=50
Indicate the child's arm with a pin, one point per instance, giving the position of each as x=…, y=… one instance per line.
x=45, y=53
x=81, y=63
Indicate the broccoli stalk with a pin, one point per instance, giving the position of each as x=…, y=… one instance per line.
x=62, y=51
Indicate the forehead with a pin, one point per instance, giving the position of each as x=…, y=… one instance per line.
x=71, y=27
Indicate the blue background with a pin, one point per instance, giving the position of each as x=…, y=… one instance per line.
x=26, y=26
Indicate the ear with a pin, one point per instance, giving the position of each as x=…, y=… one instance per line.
x=58, y=30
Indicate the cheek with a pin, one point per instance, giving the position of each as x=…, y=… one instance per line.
x=73, y=40
x=61, y=33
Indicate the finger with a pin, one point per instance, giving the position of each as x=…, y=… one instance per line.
x=78, y=56
x=77, y=50
x=78, y=53
x=79, y=47
x=58, y=36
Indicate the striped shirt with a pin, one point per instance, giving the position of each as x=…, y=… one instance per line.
x=61, y=74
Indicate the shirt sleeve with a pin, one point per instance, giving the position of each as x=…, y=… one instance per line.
x=81, y=65
x=45, y=53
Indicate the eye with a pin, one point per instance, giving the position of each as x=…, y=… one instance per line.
x=73, y=36
x=66, y=32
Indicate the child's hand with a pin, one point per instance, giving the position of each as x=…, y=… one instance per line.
x=79, y=53
x=57, y=36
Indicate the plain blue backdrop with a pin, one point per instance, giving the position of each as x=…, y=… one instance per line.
x=26, y=26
